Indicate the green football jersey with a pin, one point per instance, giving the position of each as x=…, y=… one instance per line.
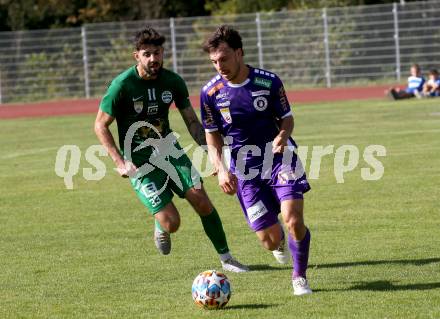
x=131, y=99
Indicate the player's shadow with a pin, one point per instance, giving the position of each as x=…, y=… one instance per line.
x=260, y=267
x=382, y=285
x=250, y=306
x=385, y=285
x=414, y=262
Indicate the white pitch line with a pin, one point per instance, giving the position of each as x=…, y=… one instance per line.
x=28, y=152
x=399, y=132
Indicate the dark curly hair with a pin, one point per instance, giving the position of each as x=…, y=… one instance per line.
x=147, y=36
x=225, y=34
x=433, y=72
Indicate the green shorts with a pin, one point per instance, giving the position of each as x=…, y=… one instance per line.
x=156, y=189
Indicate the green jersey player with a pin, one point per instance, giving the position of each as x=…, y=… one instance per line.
x=148, y=154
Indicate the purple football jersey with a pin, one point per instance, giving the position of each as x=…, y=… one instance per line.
x=248, y=112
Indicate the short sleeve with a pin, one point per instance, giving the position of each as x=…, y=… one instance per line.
x=181, y=94
x=111, y=99
x=207, y=113
x=279, y=99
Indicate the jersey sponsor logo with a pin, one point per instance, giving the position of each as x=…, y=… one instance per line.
x=283, y=99
x=224, y=104
x=215, y=88
x=260, y=103
x=138, y=98
x=152, y=109
x=167, y=97
x=222, y=95
x=256, y=211
x=263, y=82
x=261, y=92
x=208, y=119
x=226, y=115
x=138, y=106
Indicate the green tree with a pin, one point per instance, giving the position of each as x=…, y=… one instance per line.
x=223, y=7
x=45, y=14
x=39, y=14
x=216, y=7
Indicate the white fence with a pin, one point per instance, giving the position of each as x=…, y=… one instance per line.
x=337, y=46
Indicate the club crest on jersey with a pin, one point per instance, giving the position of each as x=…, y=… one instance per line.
x=167, y=97
x=226, y=115
x=260, y=103
x=138, y=106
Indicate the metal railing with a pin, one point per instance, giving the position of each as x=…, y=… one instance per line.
x=328, y=47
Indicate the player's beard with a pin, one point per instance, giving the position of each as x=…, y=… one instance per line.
x=152, y=69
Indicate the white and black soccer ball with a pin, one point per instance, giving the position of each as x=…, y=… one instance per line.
x=211, y=289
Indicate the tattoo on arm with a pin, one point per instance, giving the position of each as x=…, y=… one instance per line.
x=194, y=127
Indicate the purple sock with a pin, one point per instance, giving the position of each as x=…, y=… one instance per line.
x=300, y=254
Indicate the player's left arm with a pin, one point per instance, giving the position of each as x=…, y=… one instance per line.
x=193, y=124
x=286, y=129
x=283, y=112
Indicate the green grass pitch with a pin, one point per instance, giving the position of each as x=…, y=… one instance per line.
x=88, y=252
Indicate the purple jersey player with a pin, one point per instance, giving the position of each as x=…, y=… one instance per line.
x=248, y=108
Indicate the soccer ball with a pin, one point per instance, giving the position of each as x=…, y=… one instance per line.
x=211, y=290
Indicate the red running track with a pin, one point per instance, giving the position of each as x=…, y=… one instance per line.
x=87, y=106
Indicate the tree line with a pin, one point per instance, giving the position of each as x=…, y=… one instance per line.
x=47, y=14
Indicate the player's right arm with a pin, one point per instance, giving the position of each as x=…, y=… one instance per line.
x=102, y=130
x=106, y=115
x=214, y=141
x=226, y=180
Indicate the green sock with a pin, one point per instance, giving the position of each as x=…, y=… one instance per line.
x=214, y=230
x=158, y=226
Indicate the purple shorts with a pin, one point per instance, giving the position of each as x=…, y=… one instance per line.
x=260, y=197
